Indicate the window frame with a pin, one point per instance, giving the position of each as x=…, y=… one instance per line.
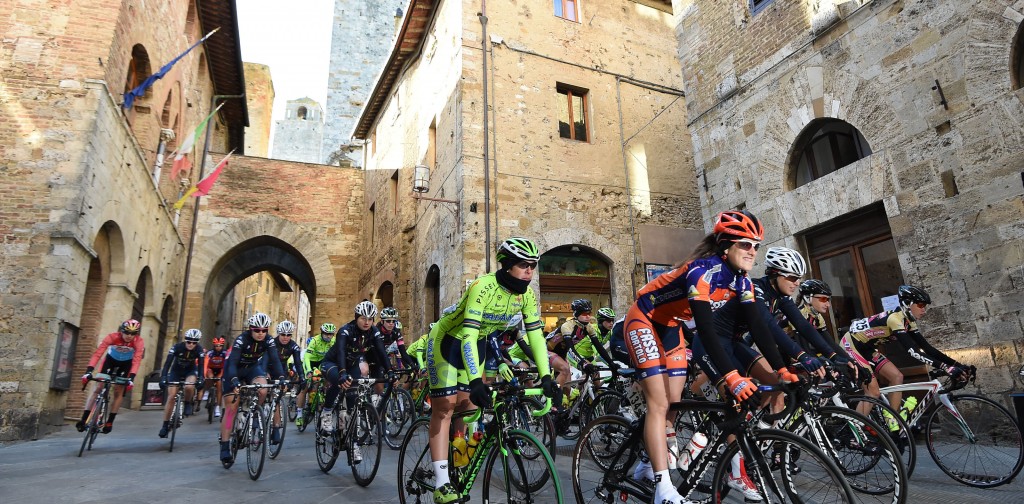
x=758, y=6
x=561, y=4
x=569, y=91
x=812, y=134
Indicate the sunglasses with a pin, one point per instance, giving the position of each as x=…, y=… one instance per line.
x=921, y=305
x=747, y=244
x=130, y=333
x=258, y=329
x=584, y=314
x=823, y=299
x=191, y=342
x=792, y=278
x=527, y=265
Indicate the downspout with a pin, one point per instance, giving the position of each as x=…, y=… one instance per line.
x=629, y=190
x=195, y=214
x=166, y=135
x=487, y=133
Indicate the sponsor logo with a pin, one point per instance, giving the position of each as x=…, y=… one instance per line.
x=467, y=354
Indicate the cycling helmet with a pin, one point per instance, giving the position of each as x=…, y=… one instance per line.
x=285, y=327
x=193, y=335
x=218, y=341
x=520, y=248
x=732, y=225
x=605, y=314
x=389, y=313
x=813, y=287
x=366, y=309
x=581, y=306
x=131, y=326
x=258, y=319
x=910, y=294
x=785, y=261
x=328, y=328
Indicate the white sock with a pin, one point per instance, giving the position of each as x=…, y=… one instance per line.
x=737, y=466
x=441, y=473
x=663, y=482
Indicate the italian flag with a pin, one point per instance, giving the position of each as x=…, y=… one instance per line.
x=181, y=162
x=204, y=186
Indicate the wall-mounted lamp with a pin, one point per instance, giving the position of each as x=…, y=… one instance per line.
x=421, y=185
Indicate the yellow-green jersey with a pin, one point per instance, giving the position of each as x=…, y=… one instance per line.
x=418, y=348
x=316, y=348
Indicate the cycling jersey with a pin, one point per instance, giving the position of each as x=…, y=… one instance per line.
x=457, y=339
x=351, y=345
x=214, y=361
x=183, y=359
x=582, y=341
x=394, y=339
x=246, y=352
x=418, y=348
x=117, y=349
x=289, y=351
x=816, y=320
x=867, y=335
x=316, y=348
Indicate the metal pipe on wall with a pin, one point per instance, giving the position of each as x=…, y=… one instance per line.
x=487, y=156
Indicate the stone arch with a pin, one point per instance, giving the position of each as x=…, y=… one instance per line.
x=992, y=40
x=386, y=294
x=803, y=149
x=558, y=289
x=139, y=68
x=114, y=240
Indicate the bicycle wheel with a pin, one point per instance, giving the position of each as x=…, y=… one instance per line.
x=91, y=427
x=868, y=458
x=982, y=448
x=608, y=402
x=398, y=412
x=256, y=451
x=364, y=443
x=327, y=444
x=281, y=427
x=100, y=420
x=175, y=419
x=293, y=410
x=235, y=436
x=209, y=408
x=542, y=427
x=415, y=470
x=818, y=480
x=524, y=474
x=883, y=415
x=603, y=461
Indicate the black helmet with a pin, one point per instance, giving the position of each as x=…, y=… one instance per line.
x=910, y=294
x=814, y=287
x=580, y=306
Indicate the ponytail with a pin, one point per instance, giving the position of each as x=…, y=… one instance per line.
x=706, y=248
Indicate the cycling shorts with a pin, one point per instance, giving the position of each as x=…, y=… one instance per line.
x=179, y=374
x=743, y=357
x=653, y=348
x=114, y=367
x=858, y=350
x=446, y=367
x=246, y=375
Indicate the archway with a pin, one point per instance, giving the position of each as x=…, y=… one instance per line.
x=572, y=272
x=824, y=146
x=385, y=294
x=432, y=295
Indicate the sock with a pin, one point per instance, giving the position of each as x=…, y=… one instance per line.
x=440, y=473
x=737, y=466
x=85, y=415
x=663, y=482
x=167, y=423
x=110, y=419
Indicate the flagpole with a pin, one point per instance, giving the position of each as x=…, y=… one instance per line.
x=195, y=218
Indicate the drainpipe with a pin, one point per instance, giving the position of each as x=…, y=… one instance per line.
x=195, y=214
x=166, y=135
x=487, y=133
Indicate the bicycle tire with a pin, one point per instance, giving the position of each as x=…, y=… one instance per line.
x=398, y=412
x=834, y=490
x=868, y=458
x=173, y=426
x=293, y=409
x=520, y=477
x=256, y=444
x=234, y=437
x=542, y=427
x=101, y=418
x=415, y=468
x=602, y=463
x=90, y=427
x=327, y=444
x=608, y=402
x=904, y=437
x=275, y=449
x=989, y=422
x=364, y=435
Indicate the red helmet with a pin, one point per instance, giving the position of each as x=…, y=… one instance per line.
x=734, y=225
x=218, y=341
x=131, y=326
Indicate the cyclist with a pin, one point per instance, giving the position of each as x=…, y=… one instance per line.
x=589, y=339
x=347, y=359
x=122, y=353
x=684, y=299
x=214, y=368
x=391, y=330
x=287, y=350
x=457, y=341
x=866, y=336
x=243, y=365
x=605, y=322
x=815, y=300
x=316, y=347
x=617, y=343
x=183, y=362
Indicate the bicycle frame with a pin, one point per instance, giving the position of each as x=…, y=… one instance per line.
x=933, y=389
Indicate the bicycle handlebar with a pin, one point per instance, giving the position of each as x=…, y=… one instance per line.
x=792, y=390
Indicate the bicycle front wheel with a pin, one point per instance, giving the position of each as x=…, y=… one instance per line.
x=256, y=451
x=175, y=420
x=415, y=471
x=868, y=458
x=91, y=427
x=977, y=443
x=327, y=445
x=603, y=461
x=398, y=413
x=897, y=428
x=279, y=429
x=525, y=474
x=801, y=475
x=364, y=444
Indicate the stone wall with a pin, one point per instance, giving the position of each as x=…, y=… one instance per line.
x=298, y=136
x=259, y=97
x=948, y=175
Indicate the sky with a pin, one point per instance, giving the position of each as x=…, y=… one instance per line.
x=294, y=39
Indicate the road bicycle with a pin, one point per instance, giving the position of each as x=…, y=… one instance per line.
x=177, y=411
x=514, y=464
x=356, y=432
x=100, y=408
x=248, y=430
x=973, y=439
x=210, y=388
x=396, y=409
x=274, y=411
x=314, y=401
x=610, y=446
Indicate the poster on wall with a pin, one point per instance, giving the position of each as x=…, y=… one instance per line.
x=655, y=270
x=67, y=338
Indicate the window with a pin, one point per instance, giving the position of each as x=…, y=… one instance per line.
x=138, y=69
x=393, y=186
x=567, y=9
x=572, y=113
x=371, y=224
x=1017, y=59
x=758, y=5
x=571, y=272
x=825, y=146
x=302, y=113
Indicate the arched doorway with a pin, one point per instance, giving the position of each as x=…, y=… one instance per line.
x=572, y=272
x=386, y=294
x=432, y=295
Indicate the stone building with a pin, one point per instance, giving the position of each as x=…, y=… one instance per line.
x=259, y=97
x=360, y=41
x=533, y=119
x=89, y=235
x=883, y=139
x=297, y=137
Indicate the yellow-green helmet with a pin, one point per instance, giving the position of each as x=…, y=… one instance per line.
x=520, y=248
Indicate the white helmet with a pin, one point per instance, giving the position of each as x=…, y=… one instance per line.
x=786, y=261
x=285, y=327
x=366, y=309
x=193, y=335
x=258, y=319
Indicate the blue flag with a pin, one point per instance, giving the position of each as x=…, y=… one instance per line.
x=138, y=92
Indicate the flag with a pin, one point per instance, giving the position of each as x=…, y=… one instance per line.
x=204, y=186
x=181, y=162
x=131, y=96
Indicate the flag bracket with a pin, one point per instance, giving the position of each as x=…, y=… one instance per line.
x=452, y=205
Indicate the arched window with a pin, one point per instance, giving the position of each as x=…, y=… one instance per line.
x=302, y=112
x=1017, y=59
x=825, y=146
x=138, y=69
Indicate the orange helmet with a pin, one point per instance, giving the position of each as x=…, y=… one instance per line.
x=218, y=341
x=131, y=326
x=732, y=225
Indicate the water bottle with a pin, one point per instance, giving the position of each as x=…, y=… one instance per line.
x=673, y=446
x=460, y=452
x=908, y=407
x=696, y=445
x=243, y=419
x=474, y=441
